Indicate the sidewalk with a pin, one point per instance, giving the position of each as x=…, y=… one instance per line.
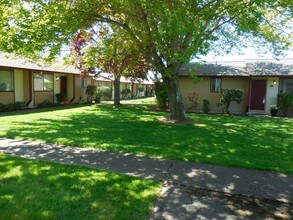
x=235, y=181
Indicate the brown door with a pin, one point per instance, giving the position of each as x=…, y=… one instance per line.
x=258, y=93
x=63, y=85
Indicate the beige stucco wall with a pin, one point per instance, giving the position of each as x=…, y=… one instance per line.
x=271, y=93
x=43, y=96
x=202, y=88
x=6, y=97
x=19, y=85
x=69, y=87
x=135, y=92
x=79, y=91
x=237, y=83
x=57, y=84
x=26, y=88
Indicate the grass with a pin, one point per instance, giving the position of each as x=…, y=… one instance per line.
x=259, y=143
x=31, y=189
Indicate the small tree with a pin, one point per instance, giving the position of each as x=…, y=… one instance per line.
x=230, y=95
x=285, y=100
x=104, y=49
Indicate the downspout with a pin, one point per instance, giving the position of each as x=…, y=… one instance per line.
x=74, y=86
x=249, y=98
x=31, y=93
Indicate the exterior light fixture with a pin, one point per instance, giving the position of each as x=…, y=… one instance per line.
x=273, y=83
x=57, y=78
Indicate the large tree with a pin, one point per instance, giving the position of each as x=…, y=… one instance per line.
x=169, y=33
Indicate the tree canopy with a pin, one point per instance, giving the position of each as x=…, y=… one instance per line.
x=100, y=49
x=168, y=33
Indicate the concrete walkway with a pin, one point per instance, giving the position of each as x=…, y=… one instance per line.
x=174, y=174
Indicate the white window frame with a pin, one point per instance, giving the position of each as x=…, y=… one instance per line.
x=216, y=84
x=3, y=85
x=44, y=89
x=281, y=88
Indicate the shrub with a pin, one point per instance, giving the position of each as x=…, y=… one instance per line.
x=12, y=106
x=80, y=100
x=98, y=98
x=206, y=106
x=125, y=92
x=45, y=103
x=90, y=91
x=5, y=108
x=104, y=92
x=285, y=100
x=193, y=99
x=228, y=96
x=60, y=97
x=274, y=110
x=18, y=105
x=161, y=95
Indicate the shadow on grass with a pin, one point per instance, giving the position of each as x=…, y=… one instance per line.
x=42, y=110
x=41, y=190
x=262, y=143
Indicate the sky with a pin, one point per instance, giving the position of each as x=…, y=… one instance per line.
x=248, y=53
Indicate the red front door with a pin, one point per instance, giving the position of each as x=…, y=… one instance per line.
x=258, y=93
x=63, y=85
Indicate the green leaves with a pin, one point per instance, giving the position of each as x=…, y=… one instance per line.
x=162, y=30
x=230, y=95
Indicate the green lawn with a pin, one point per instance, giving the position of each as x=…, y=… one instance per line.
x=261, y=143
x=31, y=189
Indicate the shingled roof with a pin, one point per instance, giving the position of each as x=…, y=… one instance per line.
x=243, y=68
x=11, y=61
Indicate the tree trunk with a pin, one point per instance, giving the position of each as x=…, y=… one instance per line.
x=117, y=92
x=175, y=99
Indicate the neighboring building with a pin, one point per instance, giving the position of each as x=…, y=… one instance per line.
x=138, y=87
x=24, y=81
x=261, y=81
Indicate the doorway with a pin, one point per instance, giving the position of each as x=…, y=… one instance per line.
x=258, y=94
x=63, y=85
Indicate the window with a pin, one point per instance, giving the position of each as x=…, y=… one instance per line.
x=6, y=80
x=83, y=82
x=216, y=84
x=286, y=86
x=43, y=82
